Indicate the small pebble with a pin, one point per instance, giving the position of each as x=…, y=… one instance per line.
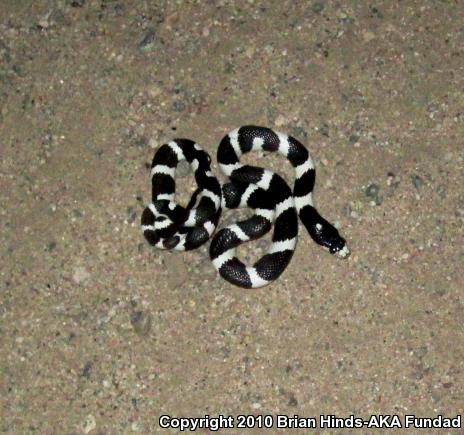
x=373, y=191
x=89, y=424
x=135, y=427
x=153, y=143
x=368, y=36
x=439, y=291
x=324, y=130
x=77, y=3
x=148, y=42
x=417, y=181
x=51, y=246
x=448, y=157
x=43, y=23
x=131, y=215
x=376, y=12
x=299, y=132
x=178, y=106
x=249, y=52
x=183, y=169
x=292, y=400
x=317, y=7
x=206, y=269
x=87, y=370
x=141, y=322
x=280, y=121
x=441, y=190
x=80, y=275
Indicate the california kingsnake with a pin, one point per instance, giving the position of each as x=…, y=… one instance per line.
x=167, y=225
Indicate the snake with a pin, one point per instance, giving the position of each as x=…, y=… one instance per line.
x=170, y=226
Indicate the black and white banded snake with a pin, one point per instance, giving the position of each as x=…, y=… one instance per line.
x=167, y=225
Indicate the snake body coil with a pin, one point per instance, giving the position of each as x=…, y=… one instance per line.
x=167, y=225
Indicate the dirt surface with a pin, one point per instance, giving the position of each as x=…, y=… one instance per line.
x=101, y=334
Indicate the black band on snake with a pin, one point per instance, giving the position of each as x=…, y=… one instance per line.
x=167, y=225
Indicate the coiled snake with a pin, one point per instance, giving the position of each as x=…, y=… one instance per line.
x=167, y=225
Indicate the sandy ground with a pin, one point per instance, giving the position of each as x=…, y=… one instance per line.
x=101, y=334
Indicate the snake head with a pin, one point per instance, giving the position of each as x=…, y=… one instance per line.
x=328, y=236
